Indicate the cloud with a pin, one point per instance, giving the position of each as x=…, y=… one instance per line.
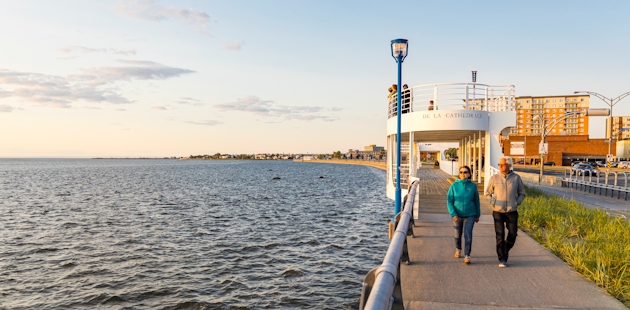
x=205, y=123
x=152, y=11
x=266, y=108
x=160, y=108
x=250, y=104
x=5, y=108
x=72, y=49
x=234, y=46
x=96, y=85
x=188, y=101
x=135, y=69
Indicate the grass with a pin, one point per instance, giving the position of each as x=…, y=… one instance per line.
x=595, y=244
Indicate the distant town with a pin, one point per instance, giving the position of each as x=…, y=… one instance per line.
x=370, y=152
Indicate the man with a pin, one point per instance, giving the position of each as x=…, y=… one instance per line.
x=505, y=192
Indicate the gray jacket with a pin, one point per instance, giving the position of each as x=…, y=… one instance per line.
x=505, y=192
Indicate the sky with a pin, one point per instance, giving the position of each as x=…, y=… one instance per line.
x=157, y=78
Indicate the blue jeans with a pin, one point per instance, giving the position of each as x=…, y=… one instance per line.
x=466, y=224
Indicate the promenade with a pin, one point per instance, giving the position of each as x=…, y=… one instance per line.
x=534, y=278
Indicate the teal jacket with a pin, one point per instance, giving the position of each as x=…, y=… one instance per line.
x=463, y=199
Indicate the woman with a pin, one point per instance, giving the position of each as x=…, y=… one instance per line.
x=463, y=206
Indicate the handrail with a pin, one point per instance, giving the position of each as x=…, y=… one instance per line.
x=454, y=96
x=573, y=176
x=384, y=277
x=493, y=171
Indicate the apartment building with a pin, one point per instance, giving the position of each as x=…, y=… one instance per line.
x=534, y=112
x=620, y=129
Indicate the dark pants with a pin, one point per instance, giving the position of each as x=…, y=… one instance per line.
x=501, y=221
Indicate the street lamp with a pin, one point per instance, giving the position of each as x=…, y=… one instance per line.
x=610, y=102
x=399, y=52
x=543, y=149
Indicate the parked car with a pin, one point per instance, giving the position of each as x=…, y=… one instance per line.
x=600, y=163
x=624, y=165
x=585, y=169
x=549, y=163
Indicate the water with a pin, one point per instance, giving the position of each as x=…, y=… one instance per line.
x=169, y=234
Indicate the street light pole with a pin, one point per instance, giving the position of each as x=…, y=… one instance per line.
x=399, y=52
x=542, y=155
x=610, y=102
x=554, y=122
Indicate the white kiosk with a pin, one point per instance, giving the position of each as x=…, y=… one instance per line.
x=468, y=116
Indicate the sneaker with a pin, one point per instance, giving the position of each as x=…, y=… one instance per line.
x=502, y=264
x=467, y=259
x=457, y=253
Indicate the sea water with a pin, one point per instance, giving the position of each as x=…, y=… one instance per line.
x=171, y=234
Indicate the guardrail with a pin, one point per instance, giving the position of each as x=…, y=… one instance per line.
x=577, y=180
x=381, y=286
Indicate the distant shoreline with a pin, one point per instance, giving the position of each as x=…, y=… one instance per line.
x=379, y=165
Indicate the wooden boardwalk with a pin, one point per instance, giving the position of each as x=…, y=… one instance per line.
x=534, y=278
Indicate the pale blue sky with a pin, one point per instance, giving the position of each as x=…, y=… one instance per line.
x=175, y=78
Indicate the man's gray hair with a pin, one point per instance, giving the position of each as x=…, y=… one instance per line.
x=508, y=160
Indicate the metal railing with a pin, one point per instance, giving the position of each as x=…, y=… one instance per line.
x=381, y=286
x=493, y=171
x=455, y=96
x=577, y=179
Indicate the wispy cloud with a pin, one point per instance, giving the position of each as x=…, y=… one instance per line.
x=160, y=108
x=188, y=101
x=205, y=123
x=134, y=69
x=267, y=109
x=72, y=49
x=234, y=46
x=5, y=108
x=95, y=85
x=151, y=10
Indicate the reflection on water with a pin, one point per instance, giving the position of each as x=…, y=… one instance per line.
x=167, y=234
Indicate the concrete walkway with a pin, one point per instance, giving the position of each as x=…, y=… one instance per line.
x=534, y=278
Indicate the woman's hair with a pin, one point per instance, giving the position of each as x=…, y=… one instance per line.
x=469, y=171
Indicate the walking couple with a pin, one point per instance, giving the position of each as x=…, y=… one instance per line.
x=505, y=192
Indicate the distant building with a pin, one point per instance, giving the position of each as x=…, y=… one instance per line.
x=531, y=109
x=620, y=129
x=562, y=150
x=373, y=148
x=623, y=149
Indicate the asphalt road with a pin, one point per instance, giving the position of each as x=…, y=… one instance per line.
x=565, y=172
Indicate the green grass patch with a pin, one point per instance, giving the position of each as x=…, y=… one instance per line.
x=595, y=244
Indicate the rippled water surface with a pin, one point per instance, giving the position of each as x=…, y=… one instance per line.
x=168, y=234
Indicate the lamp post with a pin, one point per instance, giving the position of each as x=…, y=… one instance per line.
x=542, y=150
x=610, y=102
x=399, y=52
x=474, y=80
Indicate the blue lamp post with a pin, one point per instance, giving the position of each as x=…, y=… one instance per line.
x=399, y=52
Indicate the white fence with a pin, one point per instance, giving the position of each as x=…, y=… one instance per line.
x=455, y=96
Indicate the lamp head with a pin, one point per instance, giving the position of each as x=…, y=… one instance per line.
x=399, y=49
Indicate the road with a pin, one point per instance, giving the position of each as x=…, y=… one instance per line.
x=564, y=171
